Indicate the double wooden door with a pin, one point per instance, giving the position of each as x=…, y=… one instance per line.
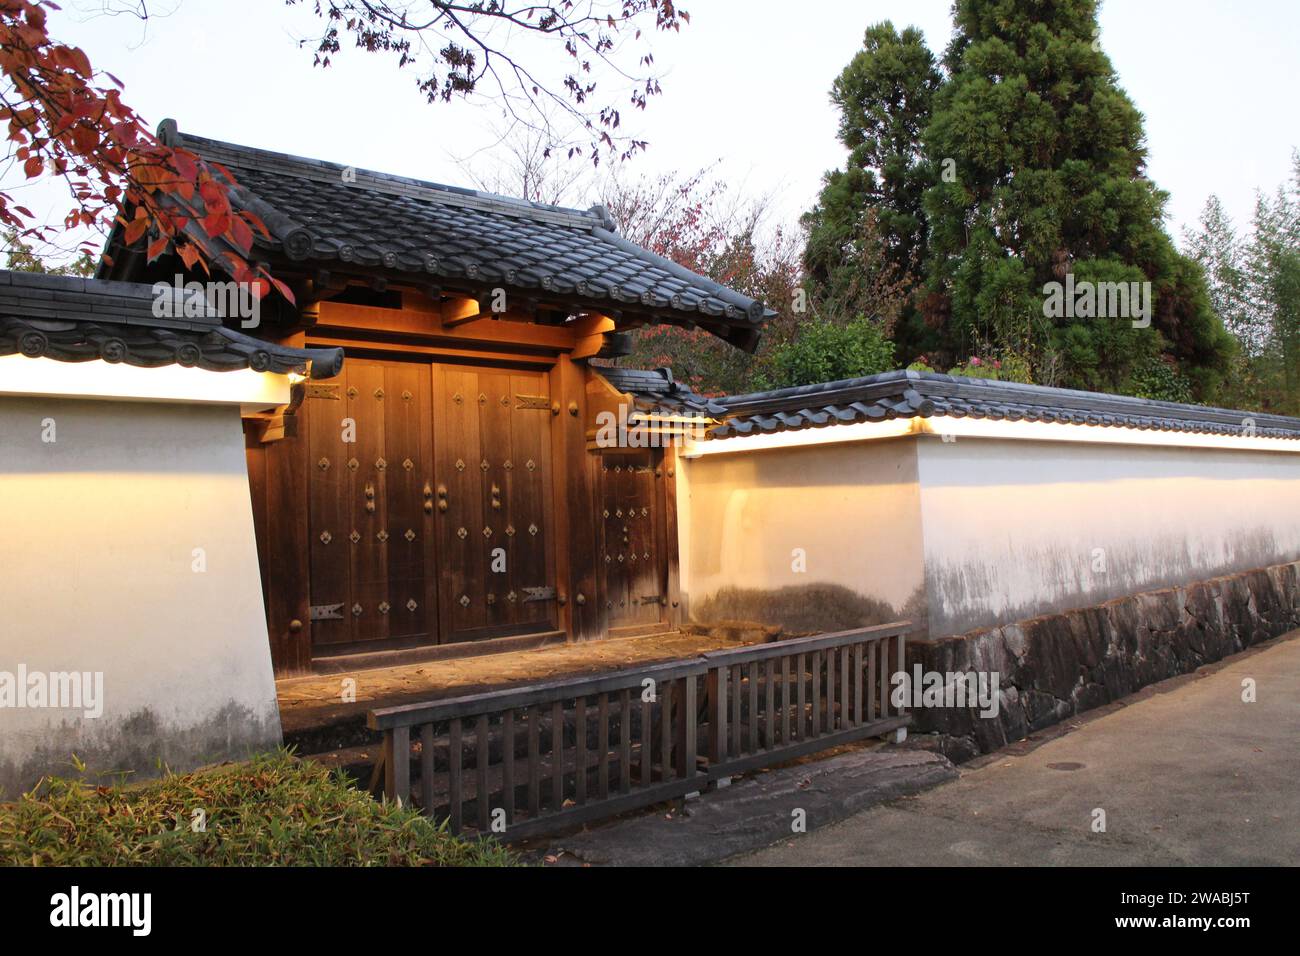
x=430, y=513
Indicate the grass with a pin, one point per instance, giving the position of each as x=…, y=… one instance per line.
x=273, y=810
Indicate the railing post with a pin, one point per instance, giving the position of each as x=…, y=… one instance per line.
x=718, y=719
x=686, y=731
x=397, y=764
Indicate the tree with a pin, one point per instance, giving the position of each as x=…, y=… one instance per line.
x=696, y=222
x=1015, y=163
x=21, y=257
x=457, y=47
x=66, y=119
x=523, y=164
x=1050, y=182
x=868, y=232
x=1217, y=249
x=1272, y=269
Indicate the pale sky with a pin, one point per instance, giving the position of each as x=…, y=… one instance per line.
x=745, y=84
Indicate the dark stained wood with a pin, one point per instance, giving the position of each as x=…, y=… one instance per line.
x=580, y=749
x=455, y=790
x=674, y=613
x=557, y=755
x=769, y=679
x=737, y=688
x=426, y=768
x=625, y=741
x=800, y=720
x=858, y=678
x=534, y=761
x=288, y=567
x=494, y=504
x=724, y=673
x=647, y=742
x=370, y=545
x=785, y=700
x=632, y=563
x=508, y=763
x=665, y=730
x=717, y=691
x=482, y=794
x=602, y=746
x=398, y=761
x=574, y=486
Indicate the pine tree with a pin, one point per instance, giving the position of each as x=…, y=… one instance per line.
x=1050, y=182
x=868, y=229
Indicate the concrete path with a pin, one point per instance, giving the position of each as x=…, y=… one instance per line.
x=755, y=811
x=1186, y=772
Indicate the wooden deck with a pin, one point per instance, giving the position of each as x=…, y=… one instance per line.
x=309, y=704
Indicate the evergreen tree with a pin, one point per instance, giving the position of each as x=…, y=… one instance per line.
x=1021, y=163
x=1050, y=183
x=868, y=229
x=1272, y=274
x=1216, y=247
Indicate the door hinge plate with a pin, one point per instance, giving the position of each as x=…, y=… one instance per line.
x=538, y=594
x=323, y=391
x=327, y=612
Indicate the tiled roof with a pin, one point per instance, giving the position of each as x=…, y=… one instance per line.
x=326, y=213
x=74, y=320
x=907, y=394
x=656, y=392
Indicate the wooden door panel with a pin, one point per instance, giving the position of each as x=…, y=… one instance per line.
x=496, y=504
x=367, y=470
x=329, y=512
x=371, y=549
x=633, y=560
x=492, y=456
x=408, y=487
x=530, y=497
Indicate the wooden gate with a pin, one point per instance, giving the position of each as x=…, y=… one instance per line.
x=372, y=580
x=633, y=556
x=494, y=513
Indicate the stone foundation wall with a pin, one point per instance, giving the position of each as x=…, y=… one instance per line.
x=1053, y=667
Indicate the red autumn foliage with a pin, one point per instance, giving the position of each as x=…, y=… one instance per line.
x=67, y=119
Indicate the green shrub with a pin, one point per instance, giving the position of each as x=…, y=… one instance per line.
x=273, y=810
x=823, y=351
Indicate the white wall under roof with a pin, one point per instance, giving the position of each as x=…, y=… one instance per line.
x=98, y=538
x=978, y=530
x=1014, y=529
x=850, y=511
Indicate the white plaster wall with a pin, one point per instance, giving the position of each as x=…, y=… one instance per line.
x=97, y=538
x=853, y=508
x=1014, y=529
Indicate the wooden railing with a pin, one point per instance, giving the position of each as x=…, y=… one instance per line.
x=541, y=757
